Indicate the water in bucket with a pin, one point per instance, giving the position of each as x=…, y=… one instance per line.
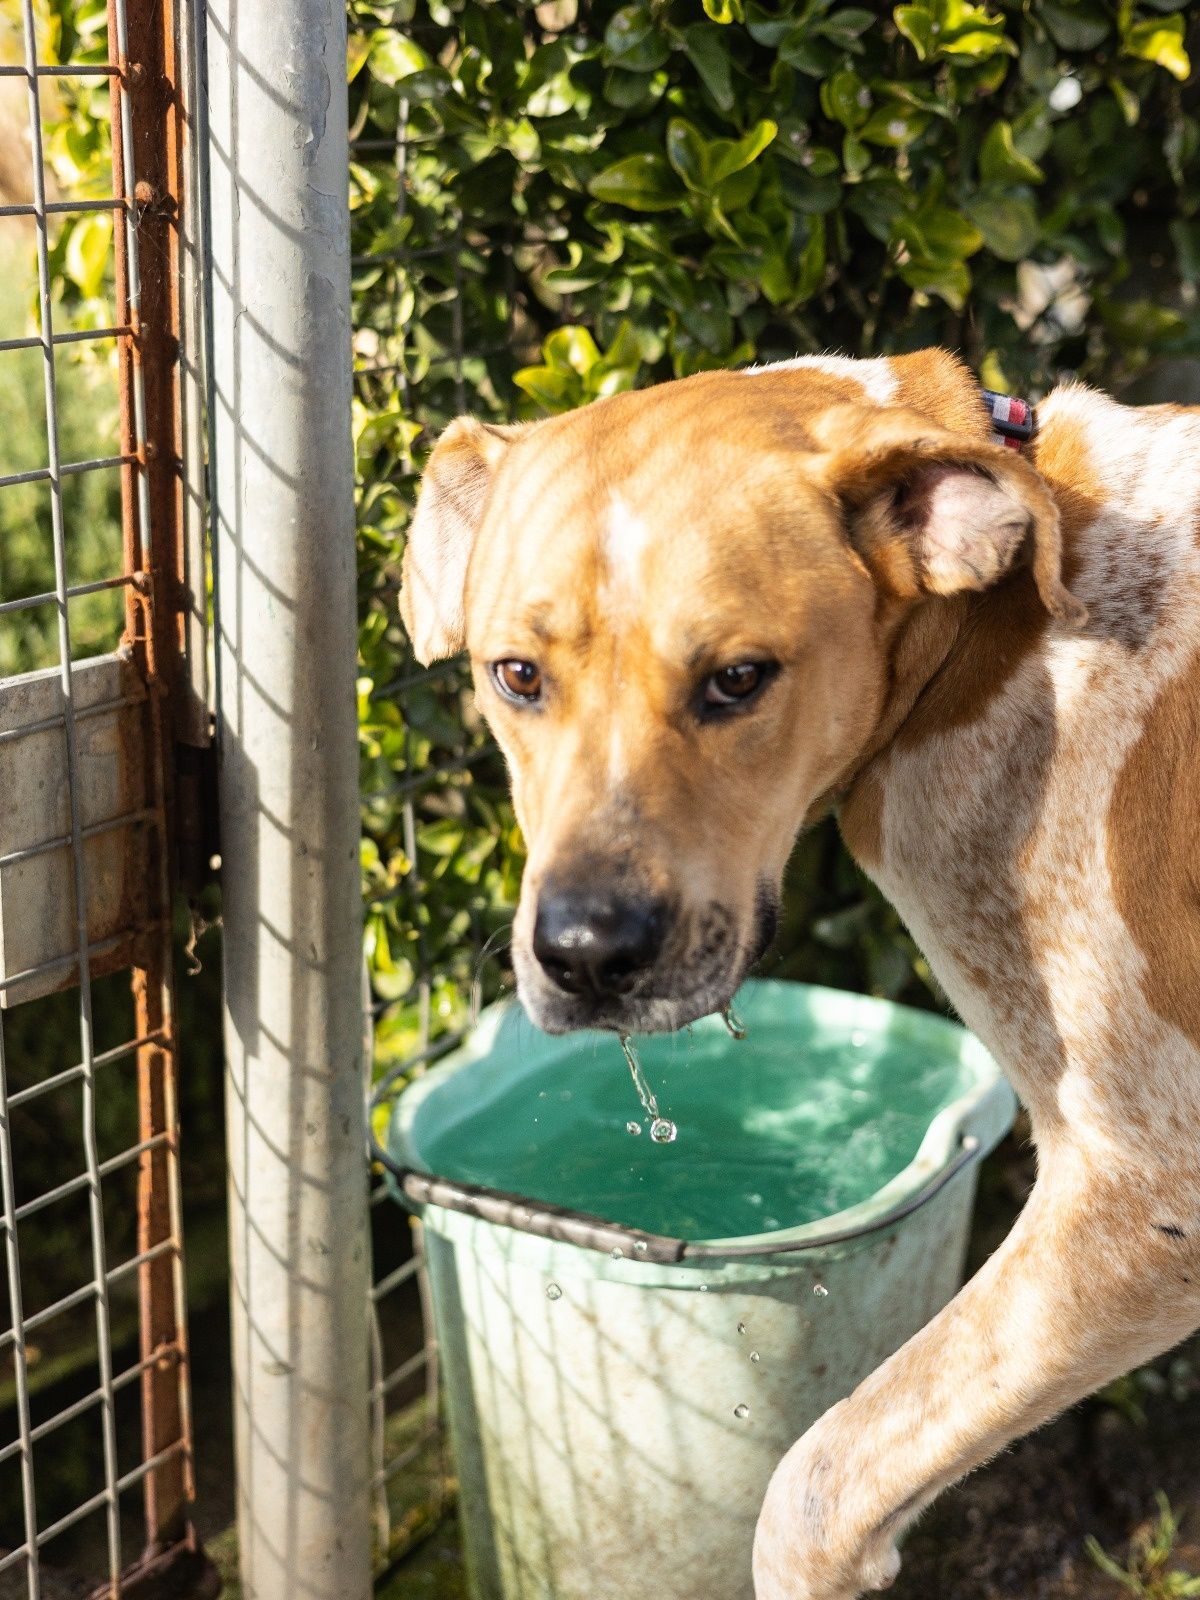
x=788, y=1127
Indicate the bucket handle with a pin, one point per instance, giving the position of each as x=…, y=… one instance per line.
x=550, y=1221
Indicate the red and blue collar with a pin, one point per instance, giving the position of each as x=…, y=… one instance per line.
x=1013, y=420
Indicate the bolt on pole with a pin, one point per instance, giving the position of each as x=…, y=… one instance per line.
x=284, y=555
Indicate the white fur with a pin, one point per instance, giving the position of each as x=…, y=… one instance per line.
x=878, y=381
x=626, y=536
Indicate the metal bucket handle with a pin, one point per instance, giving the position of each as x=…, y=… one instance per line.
x=549, y=1221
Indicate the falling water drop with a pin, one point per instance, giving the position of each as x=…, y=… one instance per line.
x=733, y=1022
x=662, y=1130
x=553, y=1292
x=741, y=1327
x=633, y=1127
x=617, y=1253
x=755, y=1357
x=741, y=1412
x=820, y=1290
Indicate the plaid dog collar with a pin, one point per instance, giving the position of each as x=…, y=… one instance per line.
x=1013, y=421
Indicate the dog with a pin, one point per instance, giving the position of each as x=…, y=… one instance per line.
x=703, y=615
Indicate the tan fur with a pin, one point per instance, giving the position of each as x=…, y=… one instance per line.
x=990, y=665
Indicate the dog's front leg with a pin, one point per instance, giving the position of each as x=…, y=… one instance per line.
x=1095, y=1277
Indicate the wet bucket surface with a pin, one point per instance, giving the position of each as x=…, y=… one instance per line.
x=615, y=1420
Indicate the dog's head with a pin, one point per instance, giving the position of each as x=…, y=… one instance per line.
x=678, y=605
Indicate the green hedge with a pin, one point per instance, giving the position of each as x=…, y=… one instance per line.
x=596, y=196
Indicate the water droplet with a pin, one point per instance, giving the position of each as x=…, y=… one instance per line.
x=858, y=1038
x=640, y=1246
x=755, y=1357
x=662, y=1131
x=553, y=1292
x=633, y=1127
x=741, y=1327
x=564, y=1094
x=617, y=1253
x=703, y=1288
x=741, y=1412
x=733, y=1022
x=820, y=1290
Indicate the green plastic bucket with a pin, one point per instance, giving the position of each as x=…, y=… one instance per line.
x=631, y=1333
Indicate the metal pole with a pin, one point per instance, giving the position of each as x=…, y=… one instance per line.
x=285, y=633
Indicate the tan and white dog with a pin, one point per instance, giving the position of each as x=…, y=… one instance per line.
x=702, y=615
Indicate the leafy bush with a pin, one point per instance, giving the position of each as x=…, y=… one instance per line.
x=560, y=201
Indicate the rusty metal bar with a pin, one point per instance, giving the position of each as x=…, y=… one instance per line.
x=148, y=133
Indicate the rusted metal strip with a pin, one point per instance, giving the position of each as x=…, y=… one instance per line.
x=148, y=177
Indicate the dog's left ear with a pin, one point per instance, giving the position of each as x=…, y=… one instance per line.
x=935, y=512
x=454, y=491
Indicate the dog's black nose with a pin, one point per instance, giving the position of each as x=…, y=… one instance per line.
x=593, y=942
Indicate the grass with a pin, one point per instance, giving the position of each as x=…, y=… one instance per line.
x=1149, y=1572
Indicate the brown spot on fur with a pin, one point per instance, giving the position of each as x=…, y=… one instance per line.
x=1154, y=850
x=861, y=819
x=998, y=632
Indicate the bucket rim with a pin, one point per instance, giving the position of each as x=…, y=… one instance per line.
x=960, y=1132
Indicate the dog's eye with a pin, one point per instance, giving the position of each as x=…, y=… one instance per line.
x=732, y=685
x=518, y=680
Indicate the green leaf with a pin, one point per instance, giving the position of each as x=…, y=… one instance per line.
x=633, y=40
x=704, y=164
x=811, y=275
x=1009, y=226
x=894, y=125
x=950, y=281
x=87, y=253
x=1127, y=101
x=571, y=349
x=686, y=151
x=845, y=98
x=1083, y=25
x=724, y=11
x=1000, y=162
x=845, y=27
x=916, y=24
x=642, y=182
x=729, y=156
x=1160, y=39
x=706, y=49
x=1140, y=323
x=766, y=27
x=392, y=57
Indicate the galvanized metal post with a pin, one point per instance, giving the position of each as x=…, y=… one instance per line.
x=285, y=630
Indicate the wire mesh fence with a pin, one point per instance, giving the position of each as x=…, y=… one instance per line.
x=99, y=600
x=439, y=842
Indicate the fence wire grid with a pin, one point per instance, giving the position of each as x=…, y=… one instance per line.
x=428, y=764
x=101, y=619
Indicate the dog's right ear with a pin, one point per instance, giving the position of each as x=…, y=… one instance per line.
x=454, y=491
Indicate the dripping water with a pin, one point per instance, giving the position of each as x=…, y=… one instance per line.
x=662, y=1129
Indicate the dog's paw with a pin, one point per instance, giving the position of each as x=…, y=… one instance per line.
x=805, y=1545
